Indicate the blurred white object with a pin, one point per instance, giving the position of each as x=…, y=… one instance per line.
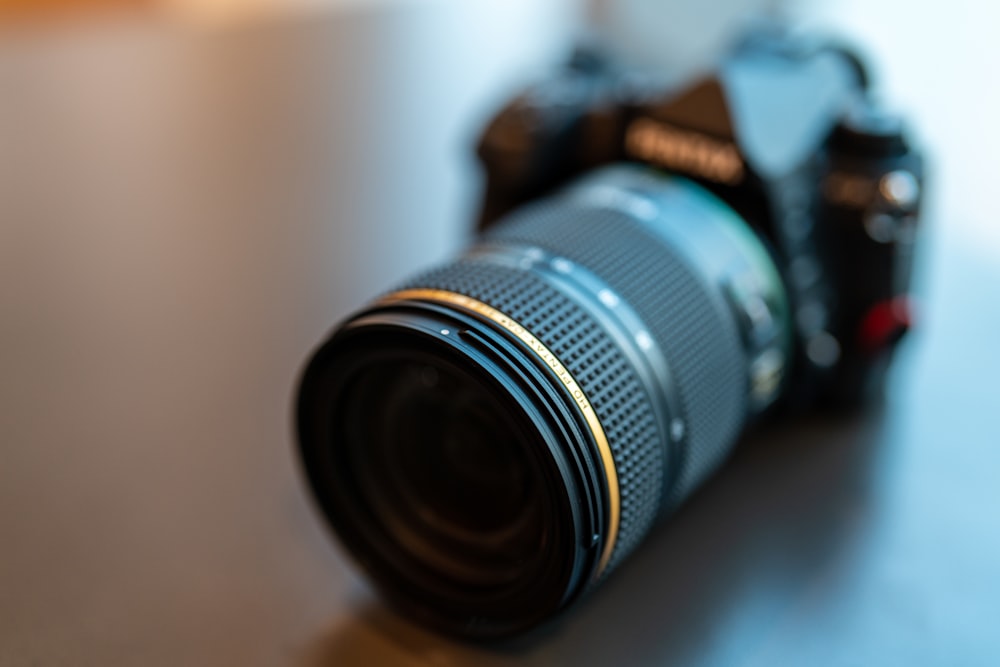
x=678, y=39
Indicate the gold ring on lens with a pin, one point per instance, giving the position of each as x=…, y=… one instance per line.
x=550, y=360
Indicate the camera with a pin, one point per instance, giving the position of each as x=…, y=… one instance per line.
x=656, y=269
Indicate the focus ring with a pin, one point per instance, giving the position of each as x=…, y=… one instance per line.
x=589, y=353
x=684, y=314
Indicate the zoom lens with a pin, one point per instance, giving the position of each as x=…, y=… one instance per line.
x=493, y=438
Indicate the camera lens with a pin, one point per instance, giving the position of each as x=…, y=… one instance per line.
x=494, y=437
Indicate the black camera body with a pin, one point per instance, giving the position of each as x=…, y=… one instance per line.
x=654, y=271
x=787, y=133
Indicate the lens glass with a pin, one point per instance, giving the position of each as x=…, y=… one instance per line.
x=444, y=467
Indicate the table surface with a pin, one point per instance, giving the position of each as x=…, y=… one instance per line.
x=154, y=319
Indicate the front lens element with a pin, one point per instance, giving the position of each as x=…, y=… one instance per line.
x=440, y=465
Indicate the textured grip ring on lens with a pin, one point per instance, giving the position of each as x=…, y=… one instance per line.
x=549, y=359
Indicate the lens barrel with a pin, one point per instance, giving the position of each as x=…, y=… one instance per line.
x=493, y=438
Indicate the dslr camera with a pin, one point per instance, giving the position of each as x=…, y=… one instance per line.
x=655, y=269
